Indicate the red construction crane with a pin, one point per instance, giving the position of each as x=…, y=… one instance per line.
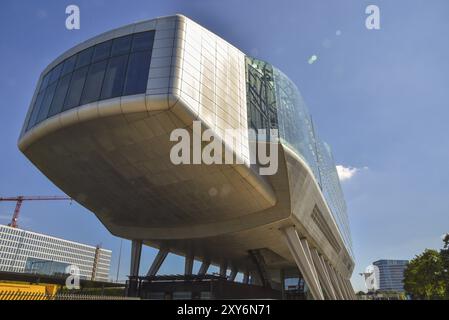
x=20, y=199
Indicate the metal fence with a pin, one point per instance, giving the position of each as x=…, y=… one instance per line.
x=23, y=295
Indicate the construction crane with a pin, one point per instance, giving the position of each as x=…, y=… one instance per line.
x=20, y=199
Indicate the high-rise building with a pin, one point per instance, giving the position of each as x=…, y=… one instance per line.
x=30, y=252
x=391, y=274
x=106, y=123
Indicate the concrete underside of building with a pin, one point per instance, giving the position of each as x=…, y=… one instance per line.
x=113, y=157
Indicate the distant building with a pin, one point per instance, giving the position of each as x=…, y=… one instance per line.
x=30, y=252
x=385, y=275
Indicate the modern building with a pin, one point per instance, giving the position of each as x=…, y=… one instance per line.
x=107, y=114
x=391, y=274
x=29, y=252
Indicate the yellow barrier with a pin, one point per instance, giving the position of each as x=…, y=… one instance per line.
x=24, y=291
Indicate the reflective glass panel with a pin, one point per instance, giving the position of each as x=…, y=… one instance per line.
x=121, y=45
x=76, y=87
x=44, y=82
x=102, y=51
x=92, y=88
x=45, y=106
x=69, y=65
x=36, y=108
x=55, y=73
x=109, y=69
x=143, y=41
x=137, y=74
x=84, y=58
x=60, y=94
x=114, y=78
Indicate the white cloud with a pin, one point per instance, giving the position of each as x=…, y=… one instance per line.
x=346, y=173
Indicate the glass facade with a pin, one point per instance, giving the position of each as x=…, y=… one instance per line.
x=45, y=267
x=391, y=274
x=110, y=69
x=274, y=102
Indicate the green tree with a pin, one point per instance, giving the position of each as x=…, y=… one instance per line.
x=444, y=253
x=424, y=277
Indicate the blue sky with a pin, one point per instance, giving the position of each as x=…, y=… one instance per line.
x=380, y=98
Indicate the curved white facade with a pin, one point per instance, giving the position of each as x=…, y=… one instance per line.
x=113, y=156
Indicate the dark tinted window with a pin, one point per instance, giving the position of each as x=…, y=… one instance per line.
x=143, y=41
x=114, y=78
x=102, y=51
x=61, y=92
x=137, y=74
x=92, y=88
x=109, y=69
x=76, y=87
x=44, y=82
x=37, y=105
x=45, y=106
x=84, y=58
x=121, y=45
x=69, y=65
x=55, y=73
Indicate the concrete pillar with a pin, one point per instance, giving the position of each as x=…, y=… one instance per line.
x=351, y=289
x=347, y=287
x=157, y=262
x=323, y=275
x=136, y=253
x=337, y=287
x=255, y=279
x=300, y=251
x=246, y=277
x=204, y=266
x=223, y=268
x=188, y=268
x=233, y=274
x=282, y=277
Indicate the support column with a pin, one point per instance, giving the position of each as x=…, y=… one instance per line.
x=223, y=268
x=157, y=262
x=337, y=286
x=351, y=289
x=282, y=277
x=136, y=252
x=188, y=267
x=348, y=289
x=255, y=279
x=301, y=253
x=333, y=280
x=246, y=277
x=204, y=266
x=322, y=275
x=263, y=277
x=342, y=286
x=233, y=274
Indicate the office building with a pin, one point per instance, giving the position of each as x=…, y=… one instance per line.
x=30, y=252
